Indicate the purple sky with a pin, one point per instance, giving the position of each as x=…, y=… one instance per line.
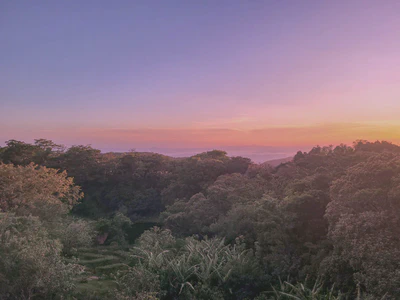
x=187, y=74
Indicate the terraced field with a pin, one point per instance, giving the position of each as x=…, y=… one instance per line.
x=99, y=262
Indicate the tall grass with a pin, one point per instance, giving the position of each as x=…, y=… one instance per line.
x=205, y=263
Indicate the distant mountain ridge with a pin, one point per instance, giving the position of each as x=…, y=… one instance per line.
x=256, y=158
x=277, y=162
x=258, y=154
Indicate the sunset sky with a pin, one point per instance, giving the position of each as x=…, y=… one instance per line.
x=200, y=74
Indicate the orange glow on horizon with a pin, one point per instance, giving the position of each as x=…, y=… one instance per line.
x=278, y=136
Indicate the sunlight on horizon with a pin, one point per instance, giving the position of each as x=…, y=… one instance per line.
x=267, y=74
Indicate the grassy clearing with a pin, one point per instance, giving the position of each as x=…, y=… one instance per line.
x=100, y=262
x=95, y=289
x=109, y=269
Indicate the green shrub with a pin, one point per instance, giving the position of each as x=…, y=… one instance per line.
x=31, y=266
x=136, y=282
x=197, y=268
x=75, y=233
x=117, y=228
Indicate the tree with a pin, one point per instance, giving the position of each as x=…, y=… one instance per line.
x=136, y=184
x=364, y=227
x=19, y=153
x=35, y=190
x=47, y=150
x=203, y=209
x=81, y=162
x=238, y=164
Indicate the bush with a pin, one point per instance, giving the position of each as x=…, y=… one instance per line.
x=117, y=228
x=300, y=291
x=194, y=270
x=75, y=234
x=137, y=282
x=31, y=266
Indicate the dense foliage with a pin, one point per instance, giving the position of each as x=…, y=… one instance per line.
x=322, y=226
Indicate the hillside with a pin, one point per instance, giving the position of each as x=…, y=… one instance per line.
x=276, y=162
x=209, y=226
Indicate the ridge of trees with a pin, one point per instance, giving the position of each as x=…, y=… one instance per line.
x=330, y=213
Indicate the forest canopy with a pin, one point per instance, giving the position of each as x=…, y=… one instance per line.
x=93, y=225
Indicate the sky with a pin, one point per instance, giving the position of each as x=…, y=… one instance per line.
x=178, y=75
